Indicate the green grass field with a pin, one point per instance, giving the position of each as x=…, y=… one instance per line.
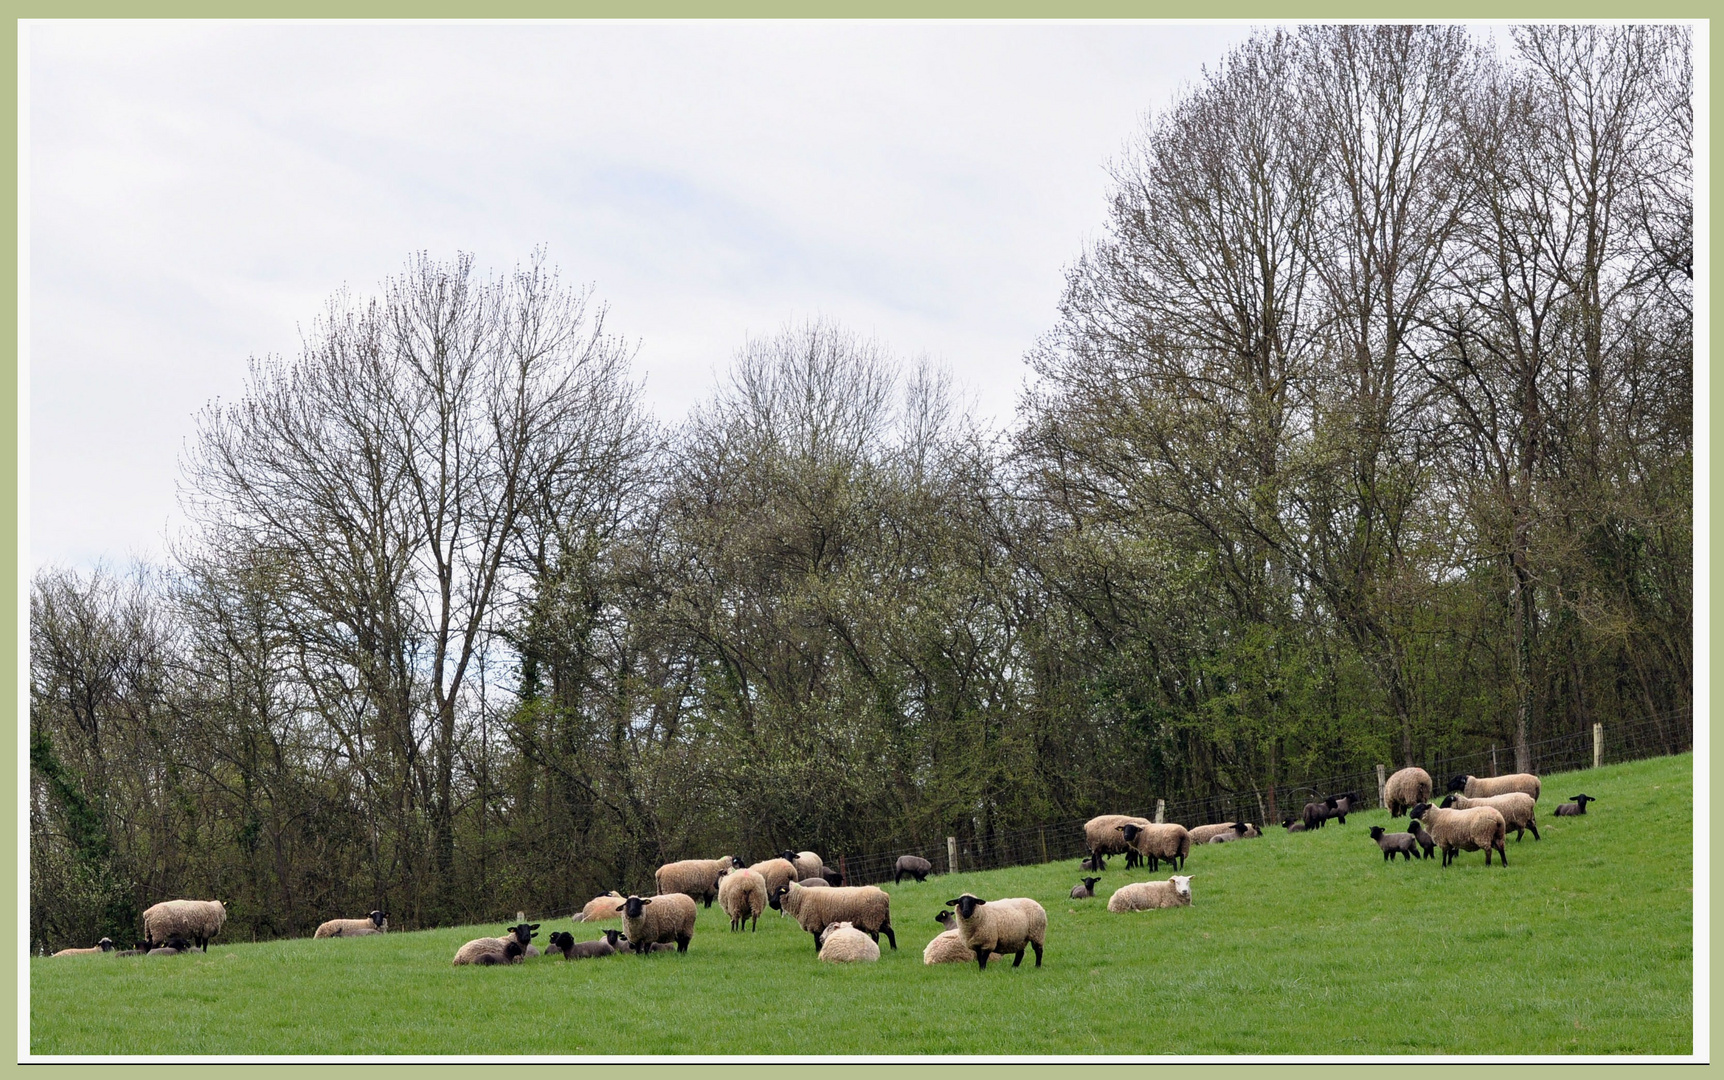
x=1301, y=944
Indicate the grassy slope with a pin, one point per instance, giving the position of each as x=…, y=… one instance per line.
x=1304, y=944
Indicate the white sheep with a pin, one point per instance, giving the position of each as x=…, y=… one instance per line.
x=1000, y=926
x=102, y=946
x=947, y=947
x=807, y=863
x=842, y=943
x=1479, y=829
x=195, y=920
x=1405, y=789
x=1234, y=830
x=486, y=951
x=1146, y=895
x=658, y=920
x=694, y=878
x=375, y=923
x=1156, y=843
x=1519, y=812
x=777, y=873
x=600, y=908
x=742, y=895
x=1483, y=787
x=868, y=907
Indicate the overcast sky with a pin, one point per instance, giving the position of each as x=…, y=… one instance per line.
x=196, y=191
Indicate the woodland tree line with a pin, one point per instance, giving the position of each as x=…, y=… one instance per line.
x=1364, y=433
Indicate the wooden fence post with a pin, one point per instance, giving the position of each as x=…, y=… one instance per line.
x=1160, y=810
x=1597, y=745
x=1382, y=788
x=1494, y=759
x=1043, y=833
x=951, y=854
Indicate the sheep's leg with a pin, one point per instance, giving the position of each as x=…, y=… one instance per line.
x=1502, y=850
x=1038, y=947
x=682, y=941
x=982, y=957
x=1533, y=825
x=1019, y=959
x=886, y=928
x=816, y=934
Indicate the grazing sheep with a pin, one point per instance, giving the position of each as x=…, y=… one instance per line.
x=486, y=951
x=1316, y=813
x=375, y=923
x=1575, y=807
x=914, y=865
x=1395, y=844
x=1517, y=808
x=600, y=908
x=657, y=920
x=989, y=928
x=1480, y=828
x=1144, y=895
x=173, y=947
x=195, y=920
x=1157, y=842
x=1084, y=889
x=842, y=943
x=694, y=878
x=1293, y=825
x=564, y=942
x=868, y=907
x=1424, y=839
x=777, y=873
x=1236, y=830
x=1483, y=787
x=947, y=947
x=742, y=895
x=102, y=946
x=1405, y=789
x=1101, y=836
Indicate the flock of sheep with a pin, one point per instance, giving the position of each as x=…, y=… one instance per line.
x=846, y=922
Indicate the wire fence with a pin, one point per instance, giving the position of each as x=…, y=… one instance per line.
x=1669, y=734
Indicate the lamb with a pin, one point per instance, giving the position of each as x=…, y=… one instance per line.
x=868, y=907
x=487, y=951
x=914, y=865
x=1238, y=830
x=173, y=947
x=1517, y=808
x=1480, y=828
x=1085, y=889
x=807, y=863
x=777, y=873
x=375, y=923
x=1000, y=927
x=694, y=878
x=1420, y=836
x=1316, y=813
x=140, y=948
x=844, y=944
x=1395, y=844
x=600, y=908
x=195, y=920
x=1293, y=825
x=671, y=918
x=830, y=876
x=1405, y=788
x=1339, y=806
x=1102, y=838
x=1144, y=895
x=815, y=883
x=742, y=895
x=102, y=946
x=1093, y=862
x=1575, y=807
x=1157, y=842
x=946, y=948
x=564, y=942
x=1223, y=838
x=1483, y=787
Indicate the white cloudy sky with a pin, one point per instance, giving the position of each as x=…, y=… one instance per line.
x=197, y=190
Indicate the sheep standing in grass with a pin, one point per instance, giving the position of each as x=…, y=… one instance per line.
x=1101, y=837
x=1085, y=888
x=375, y=923
x=742, y=895
x=1339, y=806
x=1155, y=843
x=195, y=920
x=1483, y=787
x=102, y=946
x=1575, y=807
x=807, y=863
x=1405, y=789
x=600, y=908
x=842, y=943
x=1420, y=836
x=694, y=878
x=998, y=927
x=1146, y=895
x=869, y=908
x=1395, y=844
x=486, y=951
x=913, y=865
x=777, y=873
x=1316, y=813
x=656, y=920
x=1235, y=830
x=1480, y=828
x=564, y=942
x=1517, y=808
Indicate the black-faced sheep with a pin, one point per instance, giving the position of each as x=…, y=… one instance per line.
x=777, y=873
x=742, y=895
x=564, y=942
x=807, y=863
x=375, y=923
x=174, y=946
x=1406, y=788
x=1517, y=808
x=913, y=865
x=831, y=876
x=1101, y=836
x=1339, y=806
x=195, y=920
x=1147, y=895
x=486, y=951
x=1293, y=825
x=1483, y=787
x=842, y=943
x=1155, y=843
x=999, y=927
x=1093, y=862
x=1084, y=889
x=1478, y=829
x=1575, y=807
x=102, y=946
x=694, y=878
x=656, y=920
x=947, y=947
x=1395, y=844
x=1316, y=813
x=600, y=908
x=1236, y=830
x=869, y=908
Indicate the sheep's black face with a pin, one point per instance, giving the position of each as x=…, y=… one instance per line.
x=966, y=905
x=561, y=940
x=378, y=918
x=1089, y=882
x=513, y=950
x=944, y=918
x=613, y=936
x=105, y=945
x=1457, y=783
x=1448, y=802
x=1419, y=811
x=1376, y=832
x=1130, y=832
x=633, y=906
x=787, y=855
x=736, y=862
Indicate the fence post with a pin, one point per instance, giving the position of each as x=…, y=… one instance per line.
x=1043, y=833
x=951, y=854
x=1597, y=745
x=1160, y=810
x=1494, y=759
x=843, y=871
x=1382, y=788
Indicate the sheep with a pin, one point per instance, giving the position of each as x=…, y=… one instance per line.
x=1293, y=825
x=1144, y=895
x=1238, y=830
x=947, y=948
x=1517, y=808
x=868, y=907
x=375, y=923
x=1480, y=828
x=600, y=908
x=1316, y=813
x=140, y=948
x=173, y=947
x=694, y=878
x=1084, y=889
x=1420, y=836
x=842, y=943
x=1483, y=787
x=1405, y=788
x=777, y=873
x=523, y=932
x=102, y=946
x=1157, y=842
x=195, y=920
x=831, y=876
x=1575, y=807
x=815, y=883
x=807, y=863
x=1102, y=838
x=671, y=919
x=1339, y=806
x=1395, y=844
x=742, y=895
x=564, y=942
x=1223, y=838
x=487, y=951
x=1093, y=862
x=1000, y=927
x=914, y=865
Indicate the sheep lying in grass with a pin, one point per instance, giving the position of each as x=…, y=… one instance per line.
x=1084, y=889
x=1479, y=828
x=742, y=895
x=1093, y=862
x=195, y=920
x=989, y=928
x=174, y=946
x=947, y=947
x=522, y=933
x=600, y=908
x=842, y=943
x=1483, y=787
x=1424, y=839
x=1155, y=843
x=1395, y=844
x=914, y=865
x=564, y=942
x=658, y=920
x=776, y=873
x=1293, y=825
x=486, y=951
x=1236, y=830
x=1575, y=807
x=869, y=908
x=1406, y=788
x=695, y=878
x=102, y=946
x=375, y=923
x=1517, y=808
x=1146, y=895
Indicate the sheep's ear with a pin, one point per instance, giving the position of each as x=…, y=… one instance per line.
x=645, y=901
x=621, y=906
